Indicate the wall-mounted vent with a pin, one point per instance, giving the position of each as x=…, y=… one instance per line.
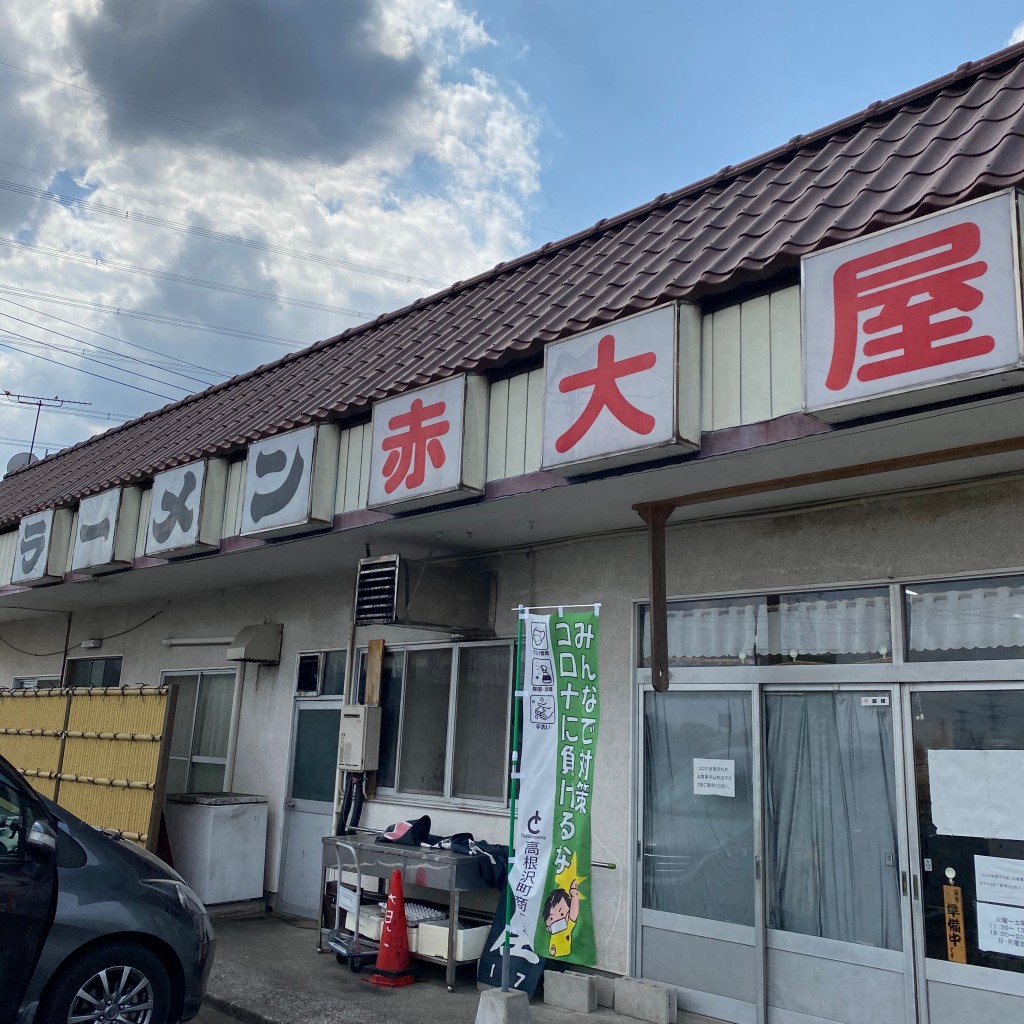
x=393, y=591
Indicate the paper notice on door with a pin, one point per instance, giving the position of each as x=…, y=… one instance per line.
x=999, y=880
x=970, y=796
x=1001, y=929
x=714, y=777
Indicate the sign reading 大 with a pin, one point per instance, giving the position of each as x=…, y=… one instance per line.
x=926, y=310
x=106, y=531
x=187, y=511
x=624, y=393
x=290, y=481
x=41, y=553
x=429, y=445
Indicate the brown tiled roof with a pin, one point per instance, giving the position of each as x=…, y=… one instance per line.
x=951, y=140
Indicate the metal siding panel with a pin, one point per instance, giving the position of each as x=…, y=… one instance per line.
x=497, y=426
x=707, y=374
x=145, y=508
x=726, y=369
x=534, y=421
x=787, y=363
x=365, y=450
x=233, y=500
x=755, y=361
x=515, y=442
x=353, y=468
x=8, y=547
x=339, y=490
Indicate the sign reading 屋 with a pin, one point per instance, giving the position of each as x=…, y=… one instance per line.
x=624, y=393
x=429, y=445
x=919, y=312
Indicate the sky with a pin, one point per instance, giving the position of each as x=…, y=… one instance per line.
x=192, y=188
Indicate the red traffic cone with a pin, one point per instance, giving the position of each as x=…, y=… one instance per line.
x=392, y=969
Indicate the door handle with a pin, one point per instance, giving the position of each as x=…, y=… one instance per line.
x=290, y=804
x=903, y=882
x=917, y=887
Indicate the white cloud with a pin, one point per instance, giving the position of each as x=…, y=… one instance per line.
x=1017, y=35
x=389, y=93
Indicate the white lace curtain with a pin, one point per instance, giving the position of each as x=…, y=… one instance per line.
x=984, y=617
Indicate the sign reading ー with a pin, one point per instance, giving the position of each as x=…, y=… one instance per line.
x=107, y=527
x=927, y=303
x=615, y=391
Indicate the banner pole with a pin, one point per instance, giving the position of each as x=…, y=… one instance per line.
x=513, y=789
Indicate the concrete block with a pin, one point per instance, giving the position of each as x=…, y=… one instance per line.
x=605, y=990
x=570, y=990
x=646, y=1000
x=497, y=1007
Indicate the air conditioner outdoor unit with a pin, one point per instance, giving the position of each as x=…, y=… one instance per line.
x=393, y=591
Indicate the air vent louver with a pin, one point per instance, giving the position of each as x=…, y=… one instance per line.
x=377, y=591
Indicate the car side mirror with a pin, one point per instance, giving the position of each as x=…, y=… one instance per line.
x=41, y=841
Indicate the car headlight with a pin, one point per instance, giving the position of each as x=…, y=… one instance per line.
x=177, y=892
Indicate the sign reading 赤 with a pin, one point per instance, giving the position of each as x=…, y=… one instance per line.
x=929, y=303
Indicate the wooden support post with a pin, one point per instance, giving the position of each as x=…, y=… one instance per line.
x=374, y=668
x=655, y=516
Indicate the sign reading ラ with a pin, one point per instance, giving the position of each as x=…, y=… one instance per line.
x=42, y=547
x=429, y=445
x=917, y=312
x=623, y=393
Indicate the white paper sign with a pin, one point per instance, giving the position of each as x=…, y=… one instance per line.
x=1001, y=929
x=714, y=776
x=278, y=481
x=970, y=796
x=999, y=880
x=929, y=301
x=174, y=515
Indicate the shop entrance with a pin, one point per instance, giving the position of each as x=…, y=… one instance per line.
x=798, y=844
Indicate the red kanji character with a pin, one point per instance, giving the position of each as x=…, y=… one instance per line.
x=606, y=393
x=407, y=462
x=908, y=285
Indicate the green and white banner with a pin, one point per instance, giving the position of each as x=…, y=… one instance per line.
x=550, y=877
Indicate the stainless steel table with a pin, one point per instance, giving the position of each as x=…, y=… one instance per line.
x=454, y=873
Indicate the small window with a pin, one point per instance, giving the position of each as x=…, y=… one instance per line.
x=93, y=672
x=321, y=673
x=36, y=682
x=445, y=721
x=201, y=738
x=15, y=818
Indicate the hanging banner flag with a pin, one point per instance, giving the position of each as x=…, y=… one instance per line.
x=550, y=878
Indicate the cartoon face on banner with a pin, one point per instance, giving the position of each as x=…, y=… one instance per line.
x=33, y=549
x=97, y=521
x=418, y=443
x=921, y=304
x=278, y=481
x=174, y=514
x=612, y=390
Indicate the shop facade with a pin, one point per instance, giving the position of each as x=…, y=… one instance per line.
x=791, y=475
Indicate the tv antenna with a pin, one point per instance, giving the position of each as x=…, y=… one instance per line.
x=40, y=403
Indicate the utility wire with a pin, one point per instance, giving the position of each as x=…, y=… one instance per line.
x=284, y=152
x=164, y=275
x=88, y=413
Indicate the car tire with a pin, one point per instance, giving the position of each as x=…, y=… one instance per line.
x=134, y=977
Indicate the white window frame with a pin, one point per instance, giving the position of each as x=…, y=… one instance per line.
x=321, y=657
x=43, y=682
x=446, y=798
x=167, y=677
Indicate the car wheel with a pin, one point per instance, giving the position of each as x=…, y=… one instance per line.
x=121, y=983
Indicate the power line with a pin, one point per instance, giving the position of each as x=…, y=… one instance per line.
x=40, y=403
x=165, y=275
x=94, y=414
x=284, y=152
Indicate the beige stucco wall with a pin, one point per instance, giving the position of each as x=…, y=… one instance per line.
x=968, y=530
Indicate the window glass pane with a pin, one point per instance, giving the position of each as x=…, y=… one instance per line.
x=316, y=754
x=965, y=620
x=94, y=672
x=213, y=715
x=334, y=673
x=481, y=722
x=184, y=714
x=206, y=778
x=308, y=674
x=830, y=818
x=13, y=827
x=177, y=775
x=390, y=712
x=835, y=627
x=425, y=722
x=698, y=846
x=968, y=760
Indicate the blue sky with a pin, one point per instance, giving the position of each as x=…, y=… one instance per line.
x=250, y=176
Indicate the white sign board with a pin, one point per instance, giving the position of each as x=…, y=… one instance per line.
x=174, y=513
x=37, y=557
x=714, y=776
x=999, y=880
x=278, y=481
x=928, y=302
x=612, y=391
x=1001, y=929
x=428, y=445
x=97, y=523
x=970, y=796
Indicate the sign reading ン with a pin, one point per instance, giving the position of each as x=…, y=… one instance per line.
x=927, y=303
x=550, y=878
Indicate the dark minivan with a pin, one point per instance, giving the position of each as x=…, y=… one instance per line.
x=92, y=927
